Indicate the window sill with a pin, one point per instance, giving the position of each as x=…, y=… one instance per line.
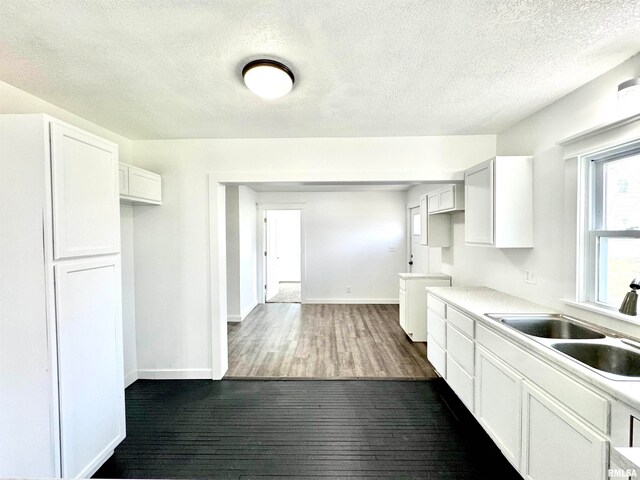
x=602, y=311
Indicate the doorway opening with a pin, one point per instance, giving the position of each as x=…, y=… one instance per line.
x=416, y=252
x=282, y=256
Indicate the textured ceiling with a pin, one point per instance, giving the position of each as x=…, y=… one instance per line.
x=171, y=69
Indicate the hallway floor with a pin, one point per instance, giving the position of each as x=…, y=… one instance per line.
x=288, y=292
x=324, y=341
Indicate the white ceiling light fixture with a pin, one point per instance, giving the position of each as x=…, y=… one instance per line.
x=629, y=97
x=267, y=78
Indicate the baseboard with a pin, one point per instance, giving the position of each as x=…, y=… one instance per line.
x=175, y=374
x=130, y=377
x=234, y=318
x=348, y=301
x=246, y=311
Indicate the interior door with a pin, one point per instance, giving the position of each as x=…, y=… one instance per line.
x=91, y=383
x=86, y=199
x=271, y=257
x=417, y=251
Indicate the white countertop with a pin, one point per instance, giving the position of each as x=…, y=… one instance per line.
x=439, y=276
x=627, y=458
x=478, y=301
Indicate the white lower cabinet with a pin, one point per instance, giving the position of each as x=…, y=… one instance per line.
x=402, y=298
x=549, y=425
x=498, y=394
x=556, y=444
x=460, y=382
x=91, y=390
x=437, y=356
x=413, y=302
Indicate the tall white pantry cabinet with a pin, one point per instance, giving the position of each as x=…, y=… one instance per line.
x=61, y=375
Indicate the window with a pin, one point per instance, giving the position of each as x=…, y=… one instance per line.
x=416, y=224
x=612, y=249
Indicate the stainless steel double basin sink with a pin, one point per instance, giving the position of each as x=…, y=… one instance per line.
x=599, y=349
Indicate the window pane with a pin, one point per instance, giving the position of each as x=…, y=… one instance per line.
x=619, y=263
x=417, y=226
x=622, y=194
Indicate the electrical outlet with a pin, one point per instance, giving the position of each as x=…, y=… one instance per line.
x=348, y=289
x=530, y=276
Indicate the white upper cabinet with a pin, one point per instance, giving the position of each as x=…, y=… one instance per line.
x=139, y=186
x=436, y=229
x=449, y=198
x=86, y=211
x=499, y=203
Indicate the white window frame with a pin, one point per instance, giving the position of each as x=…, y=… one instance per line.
x=589, y=279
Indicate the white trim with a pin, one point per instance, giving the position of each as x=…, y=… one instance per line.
x=218, y=278
x=605, y=127
x=234, y=318
x=175, y=374
x=246, y=311
x=262, y=242
x=217, y=235
x=600, y=140
x=602, y=311
x=281, y=206
x=355, y=301
x=130, y=377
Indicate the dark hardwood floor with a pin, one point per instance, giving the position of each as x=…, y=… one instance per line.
x=251, y=429
x=289, y=340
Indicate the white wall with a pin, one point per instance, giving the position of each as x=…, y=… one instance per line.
x=233, y=253
x=128, y=294
x=347, y=240
x=593, y=104
x=248, y=250
x=174, y=281
x=242, y=293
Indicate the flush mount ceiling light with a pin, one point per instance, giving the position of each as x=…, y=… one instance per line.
x=267, y=78
x=629, y=97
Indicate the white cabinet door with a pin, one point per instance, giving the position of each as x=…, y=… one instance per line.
x=446, y=199
x=556, y=444
x=86, y=209
x=437, y=356
x=460, y=382
x=434, y=202
x=91, y=383
x=478, y=227
x=498, y=403
x=123, y=179
x=144, y=184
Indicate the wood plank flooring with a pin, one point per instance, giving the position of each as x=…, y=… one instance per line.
x=235, y=429
x=324, y=341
